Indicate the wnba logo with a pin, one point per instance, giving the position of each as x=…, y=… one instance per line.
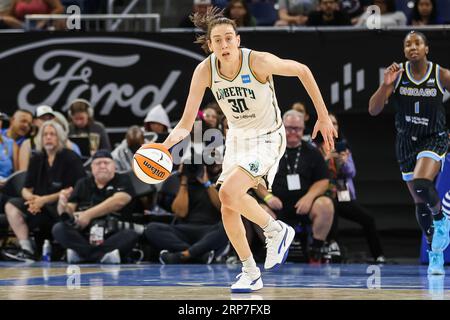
x=374, y=17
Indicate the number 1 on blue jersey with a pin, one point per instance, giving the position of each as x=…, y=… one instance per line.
x=416, y=107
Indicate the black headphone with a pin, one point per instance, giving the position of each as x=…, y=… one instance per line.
x=89, y=109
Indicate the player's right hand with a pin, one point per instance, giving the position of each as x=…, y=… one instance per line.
x=391, y=73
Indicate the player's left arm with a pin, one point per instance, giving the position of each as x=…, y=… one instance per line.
x=444, y=76
x=265, y=64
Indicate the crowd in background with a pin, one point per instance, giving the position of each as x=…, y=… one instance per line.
x=80, y=193
x=251, y=13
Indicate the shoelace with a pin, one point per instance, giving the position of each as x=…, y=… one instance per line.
x=269, y=240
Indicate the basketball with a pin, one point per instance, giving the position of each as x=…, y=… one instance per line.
x=152, y=163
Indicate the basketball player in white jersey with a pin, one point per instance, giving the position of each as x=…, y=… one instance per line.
x=241, y=81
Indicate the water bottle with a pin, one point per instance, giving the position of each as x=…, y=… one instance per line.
x=47, y=251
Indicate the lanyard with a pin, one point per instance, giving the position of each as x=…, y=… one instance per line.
x=297, y=157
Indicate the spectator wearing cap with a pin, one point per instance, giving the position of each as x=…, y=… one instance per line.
x=156, y=124
x=90, y=211
x=8, y=156
x=199, y=6
x=19, y=126
x=47, y=174
x=28, y=147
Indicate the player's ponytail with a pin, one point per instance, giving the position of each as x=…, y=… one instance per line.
x=213, y=16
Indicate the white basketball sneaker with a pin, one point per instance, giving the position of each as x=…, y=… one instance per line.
x=277, y=244
x=248, y=281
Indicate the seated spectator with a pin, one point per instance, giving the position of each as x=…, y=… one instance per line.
x=298, y=191
x=156, y=124
x=61, y=119
x=83, y=126
x=88, y=211
x=19, y=126
x=354, y=8
x=46, y=177
x=329, y=14
x=123, y=154
x=199, y=6
x=238, y=11
x=210, y=116
x=295, y=12
x=5, y=6
x=342, y=171
x=300, y=107
x=198, y=232
x=390, y=17
x=20, y=8
x=424, y=13
x=43, y=113
x=8, y=156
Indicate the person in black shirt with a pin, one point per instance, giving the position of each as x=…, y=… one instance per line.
x=199, y=232
x=87, y=211
x=417, y=89
x=51, y=169
x=328, y=15
x=298, y=191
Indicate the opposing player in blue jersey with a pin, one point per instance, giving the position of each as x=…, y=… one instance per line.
x=417, y=88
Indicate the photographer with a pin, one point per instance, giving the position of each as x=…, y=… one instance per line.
x=89, y=231
x=198, y=231
x=342, y=189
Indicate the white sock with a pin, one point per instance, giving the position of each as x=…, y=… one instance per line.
x=26, y=245
x=249, y=265
x=273, y=225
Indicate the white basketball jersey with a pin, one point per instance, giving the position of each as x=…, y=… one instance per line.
x=250, y=106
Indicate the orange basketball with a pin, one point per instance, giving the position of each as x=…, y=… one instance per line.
x=152, y=163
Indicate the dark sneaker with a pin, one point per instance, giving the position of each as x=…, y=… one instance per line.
x=166, y=257
x=19, y=255
x=317, y=256
x=207, y=257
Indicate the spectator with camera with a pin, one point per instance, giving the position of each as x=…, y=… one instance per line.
x=298, y=191
x=198, y=233
x=92, y=214
x=46, y=176
x=342, y=171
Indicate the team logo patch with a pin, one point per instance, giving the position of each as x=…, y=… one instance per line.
x=254, y=166
x=245, y=78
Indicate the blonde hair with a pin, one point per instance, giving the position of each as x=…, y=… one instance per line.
x=62, y=136
x=213, y=17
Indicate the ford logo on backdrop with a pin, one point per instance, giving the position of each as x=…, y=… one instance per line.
x=122, y=76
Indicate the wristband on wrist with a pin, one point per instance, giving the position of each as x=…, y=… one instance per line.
x=268, y=197
x=207, y=184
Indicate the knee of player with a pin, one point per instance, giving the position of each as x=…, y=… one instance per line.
x=227, y=196
x=421, y=185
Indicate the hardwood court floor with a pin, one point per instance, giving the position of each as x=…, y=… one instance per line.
x=184, y=282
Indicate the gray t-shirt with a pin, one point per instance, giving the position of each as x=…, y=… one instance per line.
x=298, y=7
